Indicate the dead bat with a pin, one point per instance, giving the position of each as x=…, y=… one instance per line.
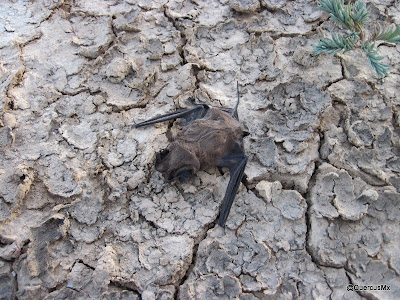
x=211, y=137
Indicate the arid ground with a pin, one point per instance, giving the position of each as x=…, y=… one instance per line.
x=83, y=212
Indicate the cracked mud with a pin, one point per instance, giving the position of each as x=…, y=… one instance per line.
x=83, y=213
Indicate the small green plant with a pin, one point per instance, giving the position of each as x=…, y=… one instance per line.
x=353, y=17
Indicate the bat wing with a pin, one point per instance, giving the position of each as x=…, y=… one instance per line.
x=233, y=111
x=236, y=163
x=188, y=114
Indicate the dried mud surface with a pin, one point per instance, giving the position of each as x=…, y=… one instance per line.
x=83, y=213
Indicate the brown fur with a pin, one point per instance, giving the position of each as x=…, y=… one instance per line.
x=201, y=144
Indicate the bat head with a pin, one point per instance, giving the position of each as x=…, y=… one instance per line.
x=176, y=162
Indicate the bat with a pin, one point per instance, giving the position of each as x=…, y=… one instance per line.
x=211, y=137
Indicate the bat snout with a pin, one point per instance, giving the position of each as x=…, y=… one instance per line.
x=163, y=154
x=161, y=161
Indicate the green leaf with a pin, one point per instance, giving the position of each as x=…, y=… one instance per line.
x=374, y=60
x=353, y=17
x=359, y=13
x=334, y=45
x=332, y=7
x=337, y=11
x=390, y=34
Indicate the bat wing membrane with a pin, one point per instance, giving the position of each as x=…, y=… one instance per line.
x=236, y=163
x=188, y=114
